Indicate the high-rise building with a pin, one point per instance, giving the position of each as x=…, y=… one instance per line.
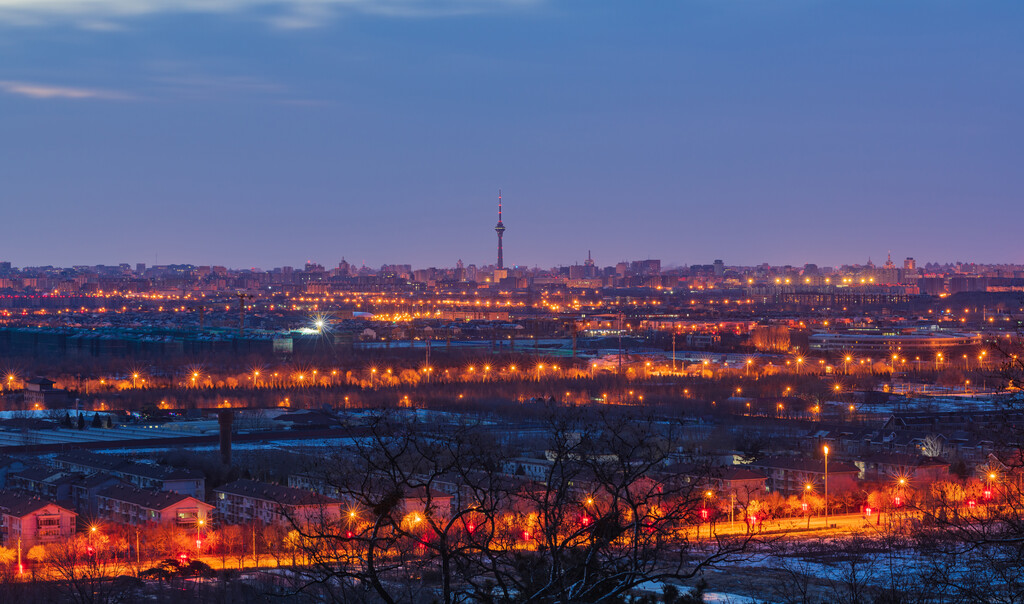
x=909, y=264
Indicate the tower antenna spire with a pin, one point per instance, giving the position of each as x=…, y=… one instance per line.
x=500, y=229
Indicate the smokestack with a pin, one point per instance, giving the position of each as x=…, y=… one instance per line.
x=225, y=417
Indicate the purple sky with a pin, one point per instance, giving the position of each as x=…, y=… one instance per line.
x=266, y=133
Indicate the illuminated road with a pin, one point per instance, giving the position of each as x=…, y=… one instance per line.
x=797, y=527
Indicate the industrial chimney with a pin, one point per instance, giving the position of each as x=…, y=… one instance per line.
x=225, y=417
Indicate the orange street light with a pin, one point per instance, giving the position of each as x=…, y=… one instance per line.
x=826, y=485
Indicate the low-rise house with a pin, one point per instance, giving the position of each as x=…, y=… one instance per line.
x=735, y=483
x=40, y=391
x=7, y=466
x=143, y=476
x=534, y=469
x=739, y=484
x=44, y=482
x=790, y=476
x=244, y=501
x=425, y=501
x=883, y=467
x=126, y=504
x=316, y=482
x=85, y=492
x=30, y=520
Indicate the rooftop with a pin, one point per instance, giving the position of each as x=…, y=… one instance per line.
x=273, y=492
x=149, y=499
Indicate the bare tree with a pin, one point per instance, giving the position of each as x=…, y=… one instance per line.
x=89, y=570
x=434, y=515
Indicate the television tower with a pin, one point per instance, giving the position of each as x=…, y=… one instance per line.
x=500, y=229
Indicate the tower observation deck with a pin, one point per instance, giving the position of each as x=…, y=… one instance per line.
x=500, y=229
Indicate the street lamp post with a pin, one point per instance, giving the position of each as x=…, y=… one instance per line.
x=807, y=489
x=673, y=351
x=732, y=508
x=199, y=541
x=92, y=548
x=902, y=482
x=826, y=486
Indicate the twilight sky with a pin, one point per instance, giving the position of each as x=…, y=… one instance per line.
x=269, y=132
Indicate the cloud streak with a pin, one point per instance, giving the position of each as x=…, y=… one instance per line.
x=48, y=91
x=283, y=13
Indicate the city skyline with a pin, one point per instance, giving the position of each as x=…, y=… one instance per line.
x=919, y=264
x=749, y=325
x=267, y=134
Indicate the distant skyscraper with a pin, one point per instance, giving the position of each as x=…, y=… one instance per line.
x=500, y=229
x=909, y=264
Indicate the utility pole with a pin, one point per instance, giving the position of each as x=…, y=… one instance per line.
x=673, y=349
x=574, y=328
x=621, y=326
x=826, y=486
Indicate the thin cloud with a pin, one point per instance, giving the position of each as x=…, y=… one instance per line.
x=103, y=15
x=48, y=91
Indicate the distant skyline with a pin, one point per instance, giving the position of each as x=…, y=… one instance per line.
x=919, y=264
x=267, y=133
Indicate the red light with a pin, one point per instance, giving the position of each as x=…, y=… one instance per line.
x=471, y=527
x=971, y=503
x=349, y=534
x=199, y=543
x=988, y=494
x=804, y=506
x=585, y=520
x=898, y=500
x=526, y=536
x=704, y=514
x=867, y=511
